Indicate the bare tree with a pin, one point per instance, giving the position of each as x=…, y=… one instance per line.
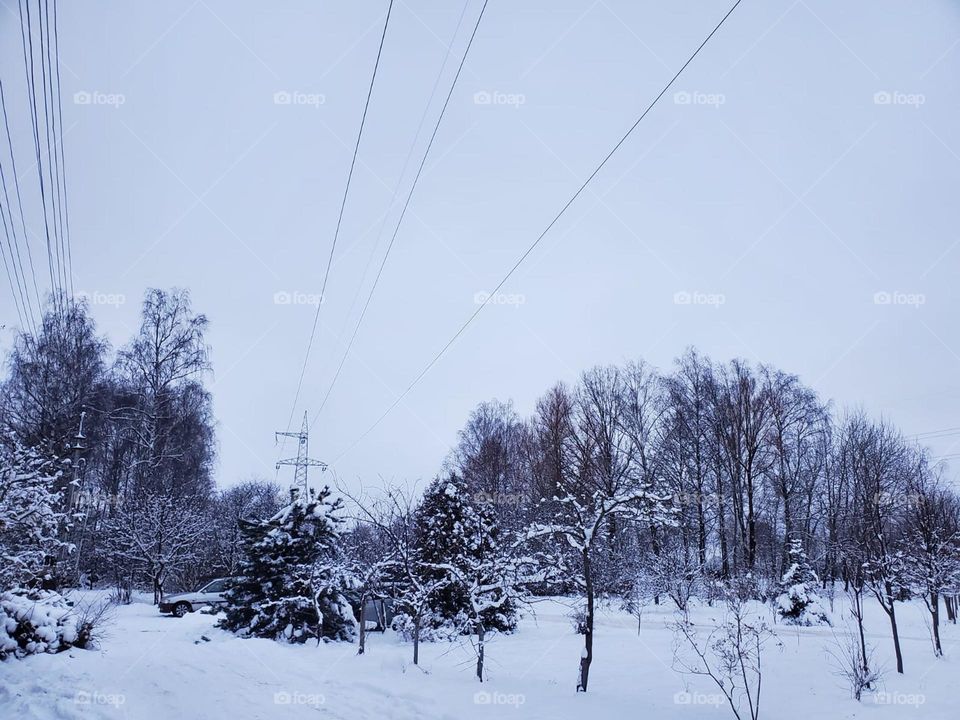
x=157, y=536
x=730, y=654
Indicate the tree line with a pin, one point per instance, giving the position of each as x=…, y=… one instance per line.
x=132, y=438
x=631, y=485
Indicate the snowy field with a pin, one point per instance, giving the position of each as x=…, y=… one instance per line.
x=156, y=667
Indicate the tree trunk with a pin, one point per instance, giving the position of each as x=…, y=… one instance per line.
x=858, y=614
x=892, y=613
x=480, y=638
x=951, y=609
x=935, y=616
x=416, y=640
x=363, y=625
x=587, y=656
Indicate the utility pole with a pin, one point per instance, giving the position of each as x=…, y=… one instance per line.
x=76, y=484
x=302, y=461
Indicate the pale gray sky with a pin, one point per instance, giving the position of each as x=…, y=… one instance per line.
x=807, y=161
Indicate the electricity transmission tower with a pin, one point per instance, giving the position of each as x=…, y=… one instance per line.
x=302, y=461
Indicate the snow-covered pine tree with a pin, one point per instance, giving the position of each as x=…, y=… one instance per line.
x=293, y=581
x=455, y=538
x=798, y=602
x=30, y=515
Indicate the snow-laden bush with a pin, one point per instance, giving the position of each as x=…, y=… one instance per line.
x=41, y=621
x=433, y=627
x=798, y=602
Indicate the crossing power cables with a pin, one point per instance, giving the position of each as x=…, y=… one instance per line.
x=343, y=204
x=403, y=212
x=433, y=361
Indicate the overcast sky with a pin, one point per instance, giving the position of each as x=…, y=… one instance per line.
x=792, y=200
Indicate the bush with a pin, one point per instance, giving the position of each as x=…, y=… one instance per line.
x=41, y=621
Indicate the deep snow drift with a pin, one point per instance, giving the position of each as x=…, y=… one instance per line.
x=162, y=668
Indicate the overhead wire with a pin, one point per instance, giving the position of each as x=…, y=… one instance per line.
x=343, y=203
x=403, y=212
x=543, y=234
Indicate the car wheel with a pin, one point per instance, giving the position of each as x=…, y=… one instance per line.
x=181, y=609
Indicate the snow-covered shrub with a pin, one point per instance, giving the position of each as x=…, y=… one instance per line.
x=41, y=621
x=433, y=627
x=853, y=661
x=798, y=602
x=578, y=620
x=293, y=584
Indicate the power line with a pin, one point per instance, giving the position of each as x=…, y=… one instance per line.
x=934, y=434
x=403, y=170
x=50, y=133
x=343, y=203
x=14, y=284
x=16, y=184
x=536, y=242
x=19, y=277
x=26, y=36
x=403, y=212
x=62, y=165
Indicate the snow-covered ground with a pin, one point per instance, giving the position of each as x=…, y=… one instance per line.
x=155, y=667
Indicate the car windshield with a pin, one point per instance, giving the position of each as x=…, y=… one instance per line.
x=215, y=586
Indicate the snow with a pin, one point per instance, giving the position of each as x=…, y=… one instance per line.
x=153, y=667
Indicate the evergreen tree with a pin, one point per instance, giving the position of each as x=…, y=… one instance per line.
x=798, y=602
x=456, y=540
x=31, y=519
x=293, y=581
